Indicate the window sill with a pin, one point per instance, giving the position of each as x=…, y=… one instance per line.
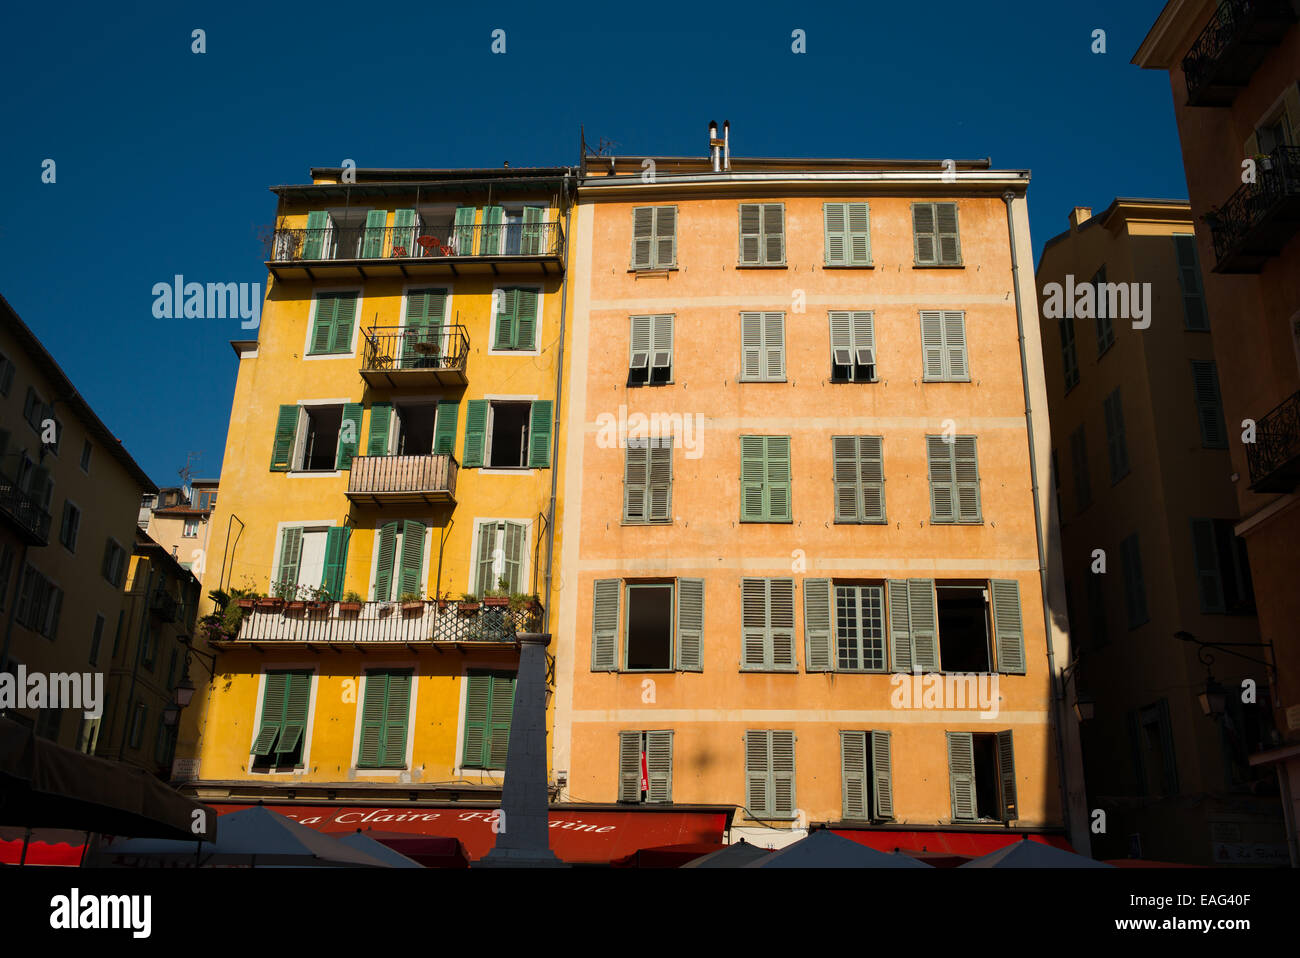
x=938, y=266
x=779, y=669
x=925, y=380
x=503, y=470
x=761, y=266
x=766, y=522
x=652, y=270
x=330, y=355
x=741, y=379
x=646, y=522
x=848, y=266
x=956, y=522
x=861, y=522
x=834, y=381
x=308, y=473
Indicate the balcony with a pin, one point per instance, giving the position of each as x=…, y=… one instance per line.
x=397, y=356
x=1260, y=218
x=352, y=252
x=434, y=625
x=1238, y=37
x=24, y=513
x=164, y=607
x=385, y=480
x=1274, y=456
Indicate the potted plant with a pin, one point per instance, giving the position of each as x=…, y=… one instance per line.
x=269, y=603
x=442, y=601
x=468, y=603
x=351, y=602
x=412, y=602
x=319, y=599
x=1264, y=161
x=500, y=596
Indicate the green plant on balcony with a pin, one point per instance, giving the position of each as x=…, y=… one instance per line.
x=500, y=596
x=468, y=603
x=412, y=601
x=351, y=602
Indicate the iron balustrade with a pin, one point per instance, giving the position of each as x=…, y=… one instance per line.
x=416, y=347
x=431, y=475
x=417, y=242
x=25, y=512
x=389, y=622
x=1231, y=45
x=1234, y=224
x=1274, y=457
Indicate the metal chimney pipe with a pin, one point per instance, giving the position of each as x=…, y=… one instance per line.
x=726, y=144
x=714, y=156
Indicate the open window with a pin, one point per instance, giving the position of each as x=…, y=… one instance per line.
x=853, y=346
x=649, y=627
x=415, y=426
x=651, y=359
x=645, y=767
x=507, y=439
x=316, y=438
x=964, y=634
x=982, y=777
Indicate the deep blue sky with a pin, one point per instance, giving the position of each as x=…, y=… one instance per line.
x=164, y=157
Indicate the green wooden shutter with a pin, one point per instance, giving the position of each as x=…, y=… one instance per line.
x=643, y=218
x=660, y=480
x=966, y=472
x=629, y=766
x=900, y=625
x=410, y=577
x=484, y=576
x=1105, y=331
x=778, y=505
x=374, y=705
x=758, y=776
x=943, y=484
x=923, y=621
x=1209, y=405
x=313, y=245
x=753, y=475
x=526, y=320
x=751, y=346
x=818, y=637
x=665, y=241
x=853, y=775
x=780, y=623
x=396, y=718
x=871, y=477
x=924, y=240
x=387, y=552
x=336, y=561
x=932, y=351
x=490, y=243
x=604, y=625
x=273, y=696
x=774, y=347
x=841, y=341
x=345, y=315
x=403, y=232
x=835, y=224
x=947, y=237
x=297, y=697
x=954, y=346
x=961, y=775
x=636, y=480
x=444, y=432
x=381, y=417
x=753, y=623
x=462, y=235
x=351, y=426
x=882, y=775
x=372, y=242
x=539, y=435
x=844, y=479
x=513, y=550
x=1008, y=628
x=501, y=710
x=859, y=234
x=751, y=234
x=475, y=432
x=1007, y=777
x=783, y=796
x=1189, y=279
x=530, y=244
x=1209, y=577
x=425, y=313
x=504, y=334
x=290, y=554
x=659, y=766
x=1167, y=748
x=286, y=428
x=690, y=625
x=478, y=697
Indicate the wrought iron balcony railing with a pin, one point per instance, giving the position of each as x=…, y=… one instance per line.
x=374, y=622
x=1231, y=47
x=24, y=512
x=1259, y=218
x=405, y=479
x=1274, y=456
x=417, y=243
x=164, y=606
x=397, y=354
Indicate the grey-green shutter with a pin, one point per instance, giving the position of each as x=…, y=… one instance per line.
x=604, y=625
x=817, y=625
x=539, y=434
x=665, y=242
x=403, y=232
x=373, y=708
x=297, y=696
x=313, y=244
x=381, y=416
x=526, y=319
x=290, y=554
x=372, y=244
x=778, y=506
x=954, y=346
x=444, y=432
x=1167, y=748
x=475, y=432
x=853, y=775
x=758, y=776
x=1008, y=626
x=871, y=477
x=835, y=224
x=932, y=351
x=490, y=244
x=501, y=710
x=900, y=625
x=286, y=427
x=773, y=233
x=659, y=765
x=643, y=218
x=783, y=796
x=859, y=234
x=925, y=243
x=751, y=234
x=639, y=344
x=336, y=561
x=753, y=476
x=478, y=695
x=1209, y=406
x=484, y=577
x=882, y=775
x=751, y=346
x=1069, y=354
x=629, y=765
x=1134, y=584
x=1007, y=777
x=660, y=480
x=961, y=775
x=774, y=347
x=351, y=426
x=462, y=234
x=690, y=625
x=425, y=313
x=1096, y=609
x=947, y=235
x=1189, y=279
x=273, y=695
x=943, y=482
x=923, y=621
x=753, y=623
x=780, y=618
x=410, y=578
x=636, y=479
x=1209, y=577
x=530, y=244
x=844, y=478
x=513, y=555
x=966, y=474
x=387, y=552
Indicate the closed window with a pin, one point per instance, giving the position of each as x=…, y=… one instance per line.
x=651, y=358
x=501, y=560
x=1195, y=316
x=762, y=347
x=70, y=526
x=866, y=771
x=138, y=719
x=1105, y=327
x=1151, y=736
x=769, y=774
x=982, y=777
x=190, y=528
x=1209, y=405
x=859, y=628
x=489, y=706
x=954, y=480
x=848, y=234
x=935, y=235
x=1222, y=567
x=86, y=450
x=762, y=234
x=648, y=480
x=335, y=315
x=1069, y=353
x=654, y=237
x=7, y=369
x=859, y=478
x=282, y=731
x=399, y=563
x=853, y=346
x=765, y=479
x=1135, y=592
x=767, y=624
x=943, y=346
x=645, y=767
x=516, y=317
x=39, y=604
x=422, y=335
x=385, y=713
x=505, y=434
x=1116, y=441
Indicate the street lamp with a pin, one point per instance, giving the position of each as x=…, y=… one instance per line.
x=1214, y=699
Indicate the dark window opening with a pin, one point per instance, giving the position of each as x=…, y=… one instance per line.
x=853, y=365
x=509, y=430
x=280, y=761
x=963, y=629
x=649, y=627
x=415, y=429
x=1238, y=590
x=321, y=438
x=987, y=804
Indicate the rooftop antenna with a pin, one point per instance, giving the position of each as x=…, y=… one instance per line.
x=186, y=472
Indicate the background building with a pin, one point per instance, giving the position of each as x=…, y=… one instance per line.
x=177, y=518
x=69, y=493
x=1147, y=513
x=1234, y=69
x=802, y=338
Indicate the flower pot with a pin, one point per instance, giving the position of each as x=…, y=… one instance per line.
x=497, y=600
x=408, y=607
x=442, y=605
x=318, y=606
x=246, y=603
x=270, y=604
x=295, y=606
x=467, y=608
x=352, y=607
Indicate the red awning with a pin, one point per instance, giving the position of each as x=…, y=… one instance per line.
x=943, y=844
x=578, y=833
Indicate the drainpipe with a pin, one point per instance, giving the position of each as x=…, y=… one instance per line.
x=1057, y=698
x=555, y=426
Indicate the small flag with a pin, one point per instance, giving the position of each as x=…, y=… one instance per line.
x=645, y=774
